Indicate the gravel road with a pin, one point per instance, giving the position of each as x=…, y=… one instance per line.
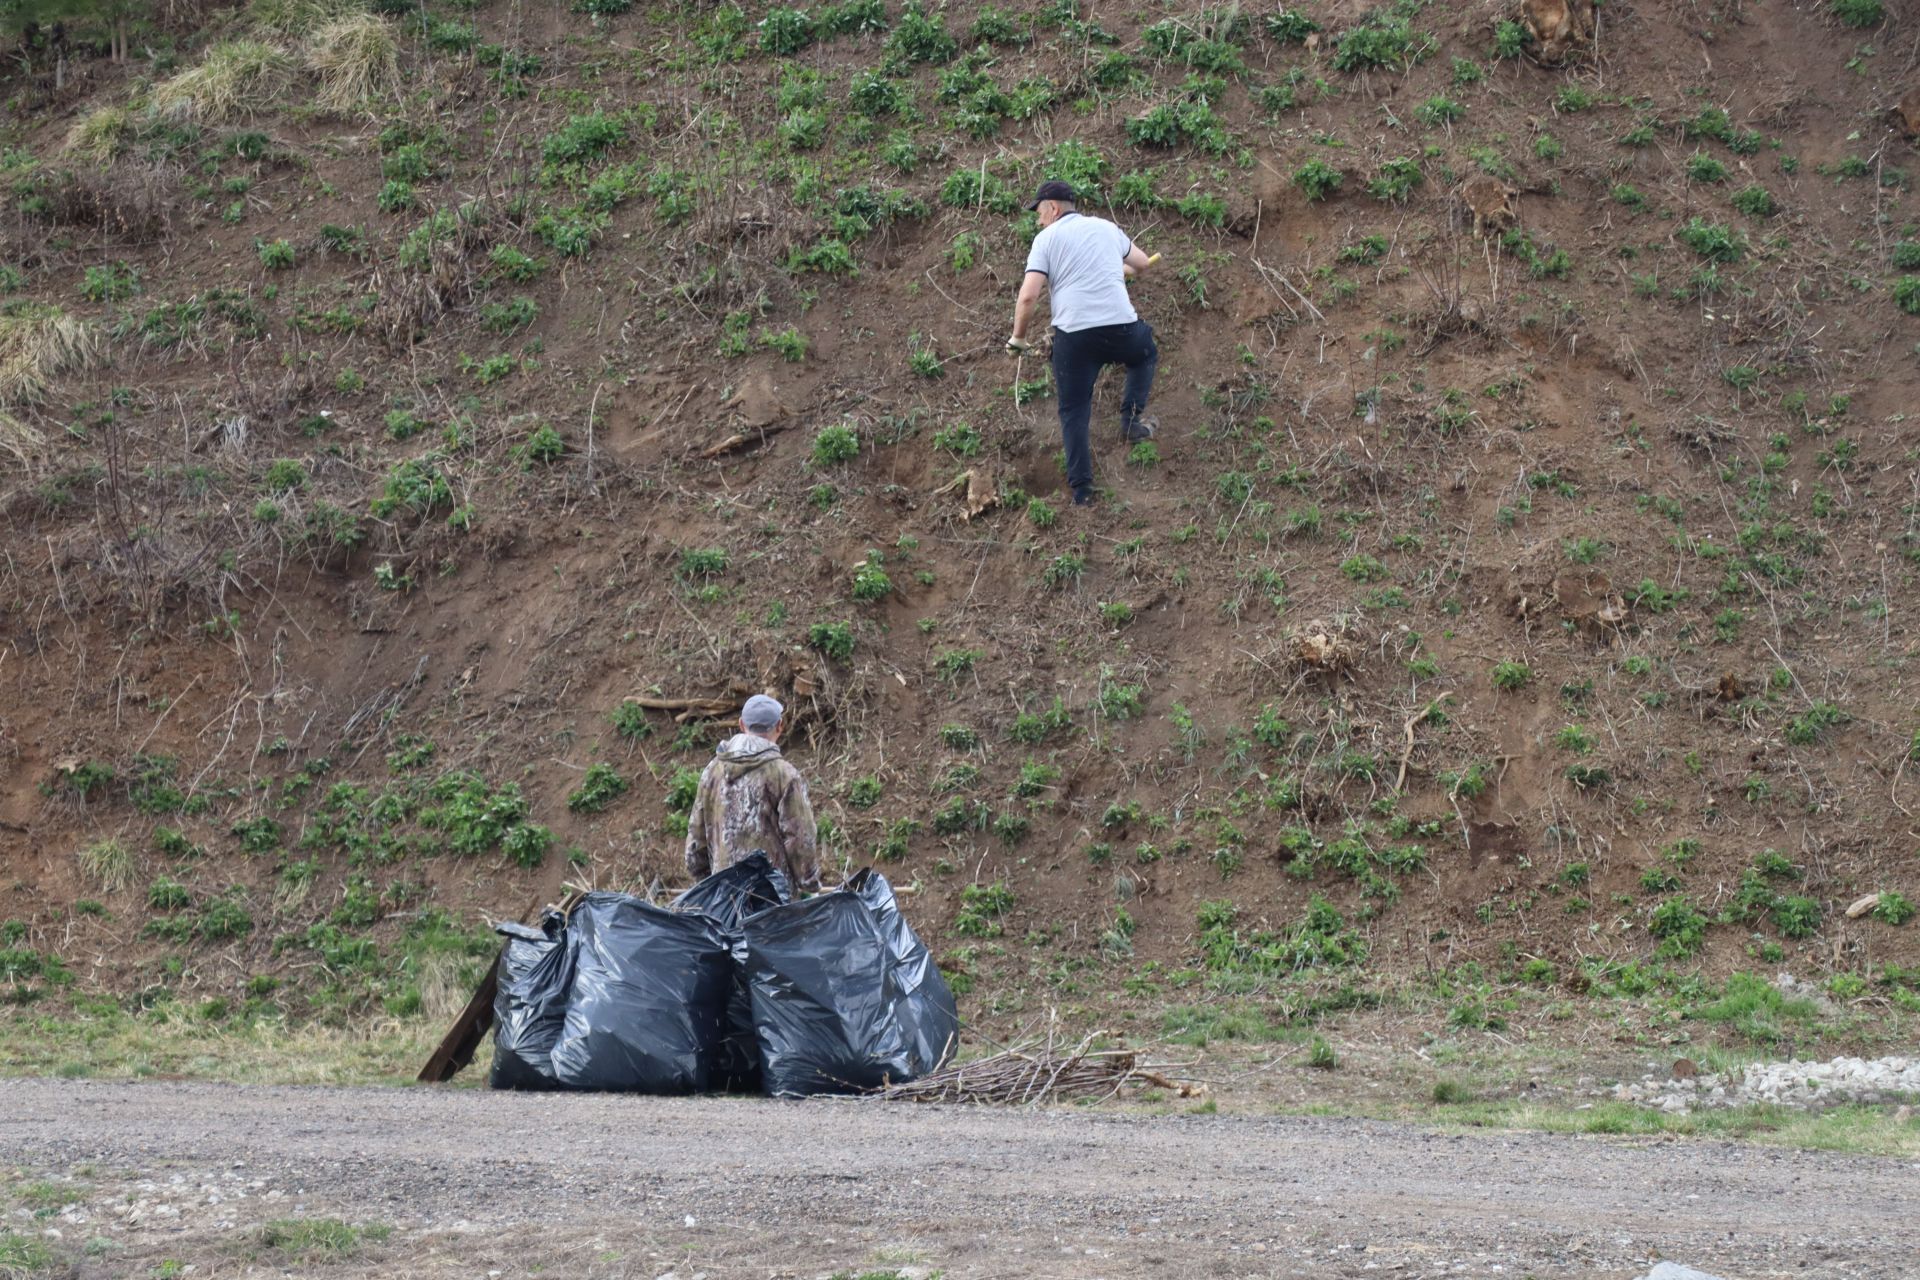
x=476, y=1183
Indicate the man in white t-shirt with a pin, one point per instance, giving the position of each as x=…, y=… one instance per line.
x=1083, y=263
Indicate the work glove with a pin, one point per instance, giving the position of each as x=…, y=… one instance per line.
x=1020, y=346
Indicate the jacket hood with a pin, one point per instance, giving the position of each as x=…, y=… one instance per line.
x=747, y=749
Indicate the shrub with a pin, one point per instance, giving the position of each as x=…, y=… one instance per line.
x=1290, y=26
x=1438, y=110
x=275, y=255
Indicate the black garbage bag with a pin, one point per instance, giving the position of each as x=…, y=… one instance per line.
x=845, y=996
x=530, y=1003
x=730, y=896
x=919, y=996
x=649, y=1003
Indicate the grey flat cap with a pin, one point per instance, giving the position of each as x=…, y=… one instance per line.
x=761, y=712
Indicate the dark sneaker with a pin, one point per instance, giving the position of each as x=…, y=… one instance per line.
x=1083, y=499
x=1142, y=428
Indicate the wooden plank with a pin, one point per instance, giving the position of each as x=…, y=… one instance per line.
x=456, y=1049
x=469, y=1029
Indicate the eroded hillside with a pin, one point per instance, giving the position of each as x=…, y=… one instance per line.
x=421, y=422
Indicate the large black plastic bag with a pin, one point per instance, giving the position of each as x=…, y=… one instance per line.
x=921, y=999
x=530, y=1003
x=845, y=997
x=730, y=896
x=649, y=1003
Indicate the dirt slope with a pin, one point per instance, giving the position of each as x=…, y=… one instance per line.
x=1538, y=600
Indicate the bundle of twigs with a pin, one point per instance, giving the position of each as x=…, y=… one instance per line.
x=1029, y=1077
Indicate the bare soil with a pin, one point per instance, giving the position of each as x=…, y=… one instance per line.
x=638, y=1187
x=1687, y=508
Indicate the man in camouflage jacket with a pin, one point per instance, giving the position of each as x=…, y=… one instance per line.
x=752, y=799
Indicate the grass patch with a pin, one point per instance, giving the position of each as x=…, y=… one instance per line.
x=315, y=1239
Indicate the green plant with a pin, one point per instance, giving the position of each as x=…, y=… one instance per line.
x=1681, y=928
x=600, y=786
x=953, y=664
x=1893, y=908
x=702, y=562
x=1512, y=676
x=982, y=907
x=833, y=640
x=1702, y=167
x=1906, y=294
x=1438, y=110
x=789, y=342
x=1858, y=13
x=1755, y=201
x=835, y=444
x=917, y=37
x=1509, y=39
x=1395, y=180
x=630, y=721
x=110, y=283
x=1713, y=241
x=961, y=439
x=507, y=317
x=870, y=581
x=1317, y=179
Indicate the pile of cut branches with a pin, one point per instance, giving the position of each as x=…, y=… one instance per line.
x=1035, y=1075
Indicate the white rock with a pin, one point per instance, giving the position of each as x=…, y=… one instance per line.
x=1674, y=1271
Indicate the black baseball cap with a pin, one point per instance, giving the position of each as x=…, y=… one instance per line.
x=1052, y=191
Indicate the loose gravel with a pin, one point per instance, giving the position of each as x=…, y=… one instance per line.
x=468, y=1179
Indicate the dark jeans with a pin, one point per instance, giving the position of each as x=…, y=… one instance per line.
x=1078, y=358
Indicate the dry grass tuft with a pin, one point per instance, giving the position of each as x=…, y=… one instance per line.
x=107, y=864
x=357, y=60
x=19, y=439
x=298, y=17
x=99, y=135
x=37, y=344
x=237, y=78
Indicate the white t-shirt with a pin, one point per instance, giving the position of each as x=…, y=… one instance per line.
x=1081, y=258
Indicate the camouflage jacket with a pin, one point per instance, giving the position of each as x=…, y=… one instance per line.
x=751, y=798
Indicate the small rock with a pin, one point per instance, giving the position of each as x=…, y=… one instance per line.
x=1863, y=905
x=1685, y=1069
x=1674, y=1271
